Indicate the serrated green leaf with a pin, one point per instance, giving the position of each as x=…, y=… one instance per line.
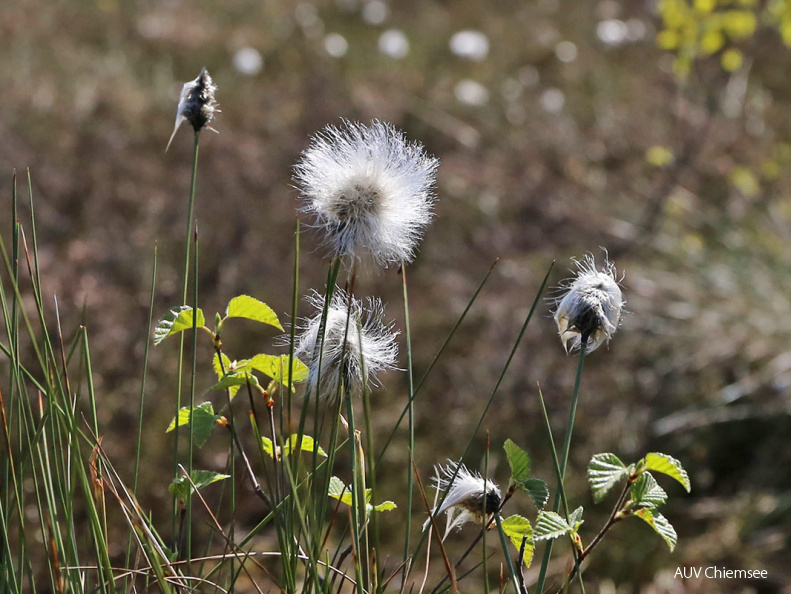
x=251, y=308
x=575, y=519
x=276, y=367
x=228, y=365
x=236, y=378
x=538, y=491
x=646, y=492
x=177, y=320
x=202, y=418
x=338, y=490
x=550, y=525
x=518, y=460
x=517, y=528
x=181, y=487
x=308, y=444
x=384, y=506
x=660, y=524
x=604, y=472
x=670, y=466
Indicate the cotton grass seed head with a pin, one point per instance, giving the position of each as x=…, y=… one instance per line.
x=196, y=104
x=470, y=498
x=589, y=310
x=357, y=345
x=369, y=190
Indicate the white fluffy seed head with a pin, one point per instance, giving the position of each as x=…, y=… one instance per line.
x=470, y=498
x=369, y=189
x=357, y=344
x=589, y=310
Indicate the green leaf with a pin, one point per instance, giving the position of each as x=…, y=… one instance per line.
x=550, y=525
x=229, y=366
x=202, y=418
x=538, y=491
x=181, y=487
x=338, y=490
x=236, y=378
x=517, y=529
x=660, y=524
x=518, y=460
x=308, y=444
x=575, y=519
x=269, y=447
x=177, y=320
x=250, y=308
x=646, y=492
x=384, y=506
x=276, y=367
x=604, y=472
x=669, y=466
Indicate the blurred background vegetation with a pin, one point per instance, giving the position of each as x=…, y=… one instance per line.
x=659, y=131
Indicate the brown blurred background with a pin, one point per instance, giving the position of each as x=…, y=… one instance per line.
x=560, y=127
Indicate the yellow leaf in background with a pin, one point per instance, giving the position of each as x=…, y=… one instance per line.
x=745, y=181
x=739, y=24
x=667, y=40
x=659, y=156
x=712, y=42
x=705, y=6
x=732, y=60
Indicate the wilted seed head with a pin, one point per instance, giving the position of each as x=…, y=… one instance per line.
x=470, y=498
x=354, y=352
x=370, y=190
x=590, y=309
x=196, y=104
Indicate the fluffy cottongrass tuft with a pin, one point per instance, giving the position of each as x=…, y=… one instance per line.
x=370, y=189
x=196, y=104
x=355, y=356
x=471, y=498
x=590, y=309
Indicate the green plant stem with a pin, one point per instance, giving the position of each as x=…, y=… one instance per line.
x=184, y=292
x=566, y=447
x=410, y=479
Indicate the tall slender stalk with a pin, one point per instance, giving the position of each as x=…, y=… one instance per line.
x=564, y=461
x=410, y=479
x=184, y=292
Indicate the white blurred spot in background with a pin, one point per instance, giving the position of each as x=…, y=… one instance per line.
x=471, y=92
x=394, y=43
x=375, y=12
x=336, y=45
x=248, y=61
x=552, y=100
x=472, y=45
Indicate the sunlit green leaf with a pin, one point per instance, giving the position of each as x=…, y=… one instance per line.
x=269, y=447
x=202, y=418
x=276, y=367
x=517, y=528
x=221, y=370
x=669, y=466
x=659, y=156
x=550, y=525
x=307, y=444
x=384, y=506
x=177, y=320
x=236, y=378
x=538, y=491
x=575, y=519
x=604, y=472
x=660, y=524
x=251, y=308
x=646, y=492
x=181, y=486
x=339, y=490
x=518, y=460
